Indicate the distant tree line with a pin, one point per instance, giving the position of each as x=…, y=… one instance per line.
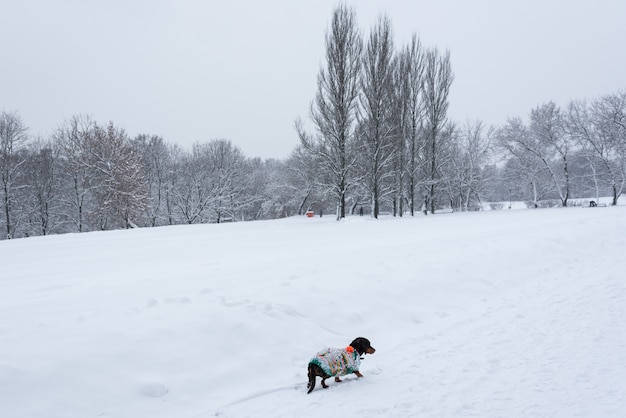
x=89, y=177
x=382, y=138
x=381, y=142
x=578, y=151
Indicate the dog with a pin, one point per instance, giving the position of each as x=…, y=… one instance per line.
x=338, y=362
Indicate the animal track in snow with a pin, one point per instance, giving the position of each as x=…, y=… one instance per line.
x=267, y=308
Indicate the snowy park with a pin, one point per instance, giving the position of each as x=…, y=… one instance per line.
x=503, y=313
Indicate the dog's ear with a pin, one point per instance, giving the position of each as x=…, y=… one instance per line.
x=361, y=345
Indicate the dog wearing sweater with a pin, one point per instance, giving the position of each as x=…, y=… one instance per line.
x=338, y=362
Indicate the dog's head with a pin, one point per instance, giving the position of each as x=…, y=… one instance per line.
x=362, y=346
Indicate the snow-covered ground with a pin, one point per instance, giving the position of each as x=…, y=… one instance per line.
x=511, y=313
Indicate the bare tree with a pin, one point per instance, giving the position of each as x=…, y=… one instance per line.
x=301, y=179
x=227, y=177
x=259, y=179
x=121, y=191
x=191, y=196
x=469, y=160
x=13, y=136
x=514, y=137
x=213, y=183
x=43, y=192
x=610, y=118
x=333, y=111
x=409, y=88
x=580, y=126
x=277, y=196
x=284, y=187
x=156, y=164
x=438, y=78
x=552, y=145
x=172, y=180
x=377, y=127
x=75, y=138
x=399, y=120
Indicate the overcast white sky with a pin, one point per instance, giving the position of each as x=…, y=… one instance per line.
x=192, y=70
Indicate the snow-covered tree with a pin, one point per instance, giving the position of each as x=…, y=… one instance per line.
x=468, y=182
x=378, y=129
x=525, y=168
x=121, y=192
x=593, y=148
x=552, y=147
x=155, y=164
x=191, y=193
x=408, y=83
x=43, y=189
x=610, y=119
x=13, y=137
x=228, y=174
x=333, y=111
x=301, y=179
x=438, y=78
x=74, y=138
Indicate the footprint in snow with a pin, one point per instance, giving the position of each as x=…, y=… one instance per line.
x=183, y=300
x=154, y=390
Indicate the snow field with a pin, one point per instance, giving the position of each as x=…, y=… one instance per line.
x=496, y=314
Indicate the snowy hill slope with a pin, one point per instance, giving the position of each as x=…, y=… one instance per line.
x=501, y=313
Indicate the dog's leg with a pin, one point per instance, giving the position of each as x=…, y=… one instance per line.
x=311, y=384
x=358, y=373
x=324, y=385
x=337, y=379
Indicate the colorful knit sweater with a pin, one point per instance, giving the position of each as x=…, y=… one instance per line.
x=337, y=361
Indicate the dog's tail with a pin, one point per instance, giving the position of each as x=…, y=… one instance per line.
x=311, y=384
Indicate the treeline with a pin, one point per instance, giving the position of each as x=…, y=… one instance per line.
x=380, y=141
x=382, y=136
x=88, y=177
x=578, y=151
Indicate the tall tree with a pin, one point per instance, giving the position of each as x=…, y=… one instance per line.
x=409, y=87
x=333, y=111
x=377, y=127
x=13, y=136
x=438, y=78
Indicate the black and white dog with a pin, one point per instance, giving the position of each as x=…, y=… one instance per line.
x=338, y=362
